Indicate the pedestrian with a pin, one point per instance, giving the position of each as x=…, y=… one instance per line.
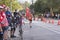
x=3, y=23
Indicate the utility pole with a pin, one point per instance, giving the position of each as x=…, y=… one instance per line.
x=32, y=7
x=32, y=2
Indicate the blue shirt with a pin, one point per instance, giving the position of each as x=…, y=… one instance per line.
x=8, y=15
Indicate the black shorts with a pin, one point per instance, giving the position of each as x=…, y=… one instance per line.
x=10, y=24
x=30, y=20
x=13, y=29
x=1, y=35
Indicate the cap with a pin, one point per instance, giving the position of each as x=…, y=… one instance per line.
x=1, y=7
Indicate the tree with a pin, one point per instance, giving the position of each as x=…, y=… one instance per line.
x=14, y=4
x=39, y=6
x=52, y=5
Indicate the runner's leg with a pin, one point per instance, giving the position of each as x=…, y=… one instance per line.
x=21, y=32
x=30, y=23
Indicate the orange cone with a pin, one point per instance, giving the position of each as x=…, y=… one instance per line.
x=49, y=21
x=52, y=21
x=36, y=19
x=45, y=20
x=58, y=22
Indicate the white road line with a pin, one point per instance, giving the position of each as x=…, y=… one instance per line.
x=46, y=27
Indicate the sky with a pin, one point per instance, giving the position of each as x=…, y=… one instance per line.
x=29, y=1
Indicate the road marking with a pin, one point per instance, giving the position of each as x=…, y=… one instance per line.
x=46, y=27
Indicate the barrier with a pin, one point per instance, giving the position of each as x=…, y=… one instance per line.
x=49, y=21
x=52, y=21
x=58, y=22
x=36, y=19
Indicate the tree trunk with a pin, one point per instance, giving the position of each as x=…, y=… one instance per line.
x=51, y=11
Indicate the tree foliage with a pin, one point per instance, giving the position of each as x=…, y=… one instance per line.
x=43, y=5
x=14, y=4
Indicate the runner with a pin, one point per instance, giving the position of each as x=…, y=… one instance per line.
x=3, y=23
x=30, y=20
x=15, y=22
x=13, y=28
x=29, y=16
x=20, y=25
x=16, y=17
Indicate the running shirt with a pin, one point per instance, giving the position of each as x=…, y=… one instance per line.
x=30, y=17
x=16, y=17
x=15, y=14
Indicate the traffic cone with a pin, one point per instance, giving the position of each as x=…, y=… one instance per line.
x=36, y=19
x=58, y=22
x=52, y=21
x=49, y=21
x=45, y=20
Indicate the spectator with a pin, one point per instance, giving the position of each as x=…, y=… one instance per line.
x=3, y=23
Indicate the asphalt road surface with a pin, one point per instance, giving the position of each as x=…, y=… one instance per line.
x=39, y=31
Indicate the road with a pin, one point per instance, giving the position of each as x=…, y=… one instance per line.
x=39, y=31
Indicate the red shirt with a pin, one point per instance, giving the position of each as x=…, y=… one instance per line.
x=1, y=16
x=3, y=19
